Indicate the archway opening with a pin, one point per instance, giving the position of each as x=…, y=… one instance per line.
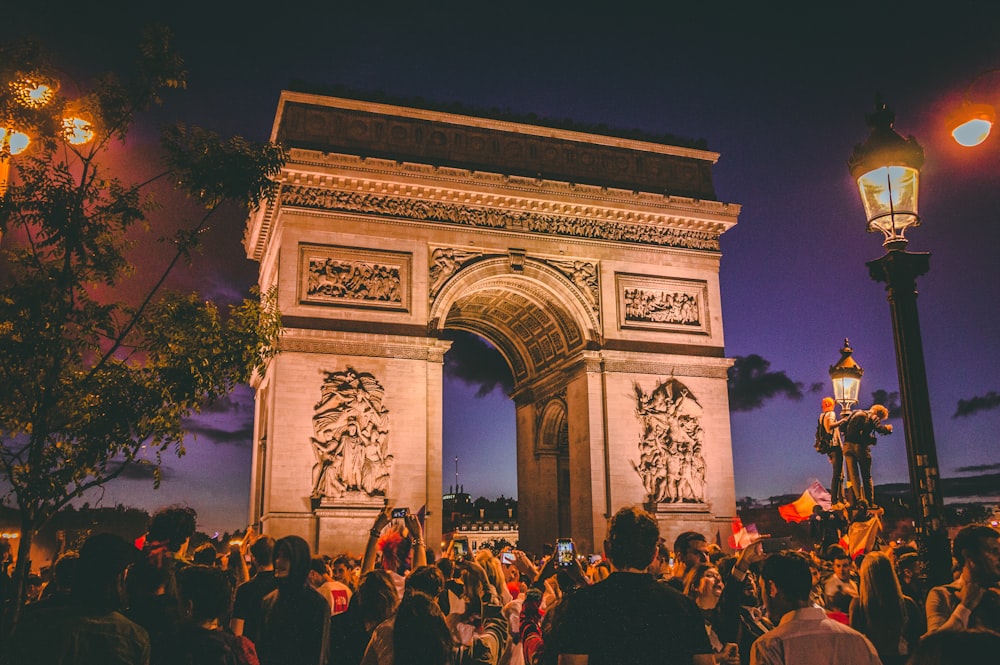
x=479, y=442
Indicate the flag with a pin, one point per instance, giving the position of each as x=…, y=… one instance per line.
x=802, y=508
x=743, y=535
x=861, y=536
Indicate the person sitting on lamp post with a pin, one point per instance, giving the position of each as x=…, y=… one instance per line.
x=859, y=437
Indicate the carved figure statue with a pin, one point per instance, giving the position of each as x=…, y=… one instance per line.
x=351, y=436
x=445, y=262
x=584, y=276
x=671, y=464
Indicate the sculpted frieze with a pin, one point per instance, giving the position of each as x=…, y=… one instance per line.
x=671, y=464
x=584, y=276
x=656, y=303
x=319, y=198
x=351, y=442
x=445, y=262
x=348, y=276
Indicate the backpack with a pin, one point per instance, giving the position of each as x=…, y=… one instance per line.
x=823, y=438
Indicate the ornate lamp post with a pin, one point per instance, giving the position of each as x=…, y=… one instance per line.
x=887, y=170
x=846, y=376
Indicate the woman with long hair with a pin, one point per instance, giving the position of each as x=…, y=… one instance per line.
x=703, y=584
x=891, y=620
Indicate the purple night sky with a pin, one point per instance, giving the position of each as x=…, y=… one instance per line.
x=781, y=96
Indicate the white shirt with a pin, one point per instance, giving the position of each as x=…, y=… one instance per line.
x=809, y=637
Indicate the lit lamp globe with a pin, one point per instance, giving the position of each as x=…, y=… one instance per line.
x=970, y=125
x=887, y=170
x=846, y=376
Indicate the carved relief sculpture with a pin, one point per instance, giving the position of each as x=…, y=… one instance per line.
x=351, y=425
x=658, y=303
x=584, y=275
x=445, y=262
x=353, y=277
x=671, y=464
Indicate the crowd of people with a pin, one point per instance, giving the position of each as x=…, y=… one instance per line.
x=642, y=600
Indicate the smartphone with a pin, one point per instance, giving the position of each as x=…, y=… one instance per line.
x=772, y=545
x=459, y=548
x=506, y=558
x=400, y=513
x=594, y=559
x=565, y=551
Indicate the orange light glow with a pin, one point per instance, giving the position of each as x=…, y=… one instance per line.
x=32, y=92
x=971, y=124
x=77, y=130
x=14, y=140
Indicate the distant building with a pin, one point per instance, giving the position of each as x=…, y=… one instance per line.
x=480, y=521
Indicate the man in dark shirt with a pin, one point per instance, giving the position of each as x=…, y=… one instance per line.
x=629, y=617
x=246, y=608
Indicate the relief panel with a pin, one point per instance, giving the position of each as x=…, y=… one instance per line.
x=656, y=303
x=352, y=277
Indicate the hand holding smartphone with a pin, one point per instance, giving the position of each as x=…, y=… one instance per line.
x=565, y=552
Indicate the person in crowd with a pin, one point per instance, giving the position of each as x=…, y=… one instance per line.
x=295, y=618
x=859, y=437
x=512, y=613
x=827, y=527
x=206, y=600
x=205, y=555
x=957, y=647
x=908, y=568
x=494, y=573
x=704, y=586
x=829, y=434
x=249, y=595
x=530, y=627
x=426, y=580
x=402, y=549
x=971, y=601
x=166, y=543
x=374, y=602
x=629, y=617
x=891, y=620
x=343, y=571
x=236, y=564
x=840, y=581
x=804, y=634
x=90, y=627
x=64, y=575
x=337, y=594
x=477, y=594
x=739, y=616
x=690, y=549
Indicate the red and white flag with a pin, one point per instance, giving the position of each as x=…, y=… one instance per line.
x=743, y=536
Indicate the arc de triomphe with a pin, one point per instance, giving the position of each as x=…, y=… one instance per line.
x=591, y=262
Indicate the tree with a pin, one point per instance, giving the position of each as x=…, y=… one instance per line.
x=90, y=380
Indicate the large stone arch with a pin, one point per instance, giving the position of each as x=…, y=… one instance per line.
x=591, y=263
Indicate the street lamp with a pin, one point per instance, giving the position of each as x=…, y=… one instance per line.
x=887, y=170
x=846, y=376
x=970, y=124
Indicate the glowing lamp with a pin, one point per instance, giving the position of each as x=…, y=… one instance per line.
x=970, y=125
x=33, y=90
x=14, y=141
x=887, y=170
x=77, y=131
x=846, y=377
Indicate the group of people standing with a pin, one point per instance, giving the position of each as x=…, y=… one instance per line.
x=848, y=440
x=640, y=602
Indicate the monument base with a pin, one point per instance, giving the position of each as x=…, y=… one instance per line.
x=343, y=523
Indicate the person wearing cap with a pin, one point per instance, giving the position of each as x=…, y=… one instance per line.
x=89, y=628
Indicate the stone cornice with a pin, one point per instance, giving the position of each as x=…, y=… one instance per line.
x=301, y=341
x=486, y=211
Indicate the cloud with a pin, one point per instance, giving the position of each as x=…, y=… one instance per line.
x=987, y=402
x=143, y=470
x=817, y=387
x=477, y=363
x=889, y=400
x=750, y=384
x=241, y=436
x=978, y=468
